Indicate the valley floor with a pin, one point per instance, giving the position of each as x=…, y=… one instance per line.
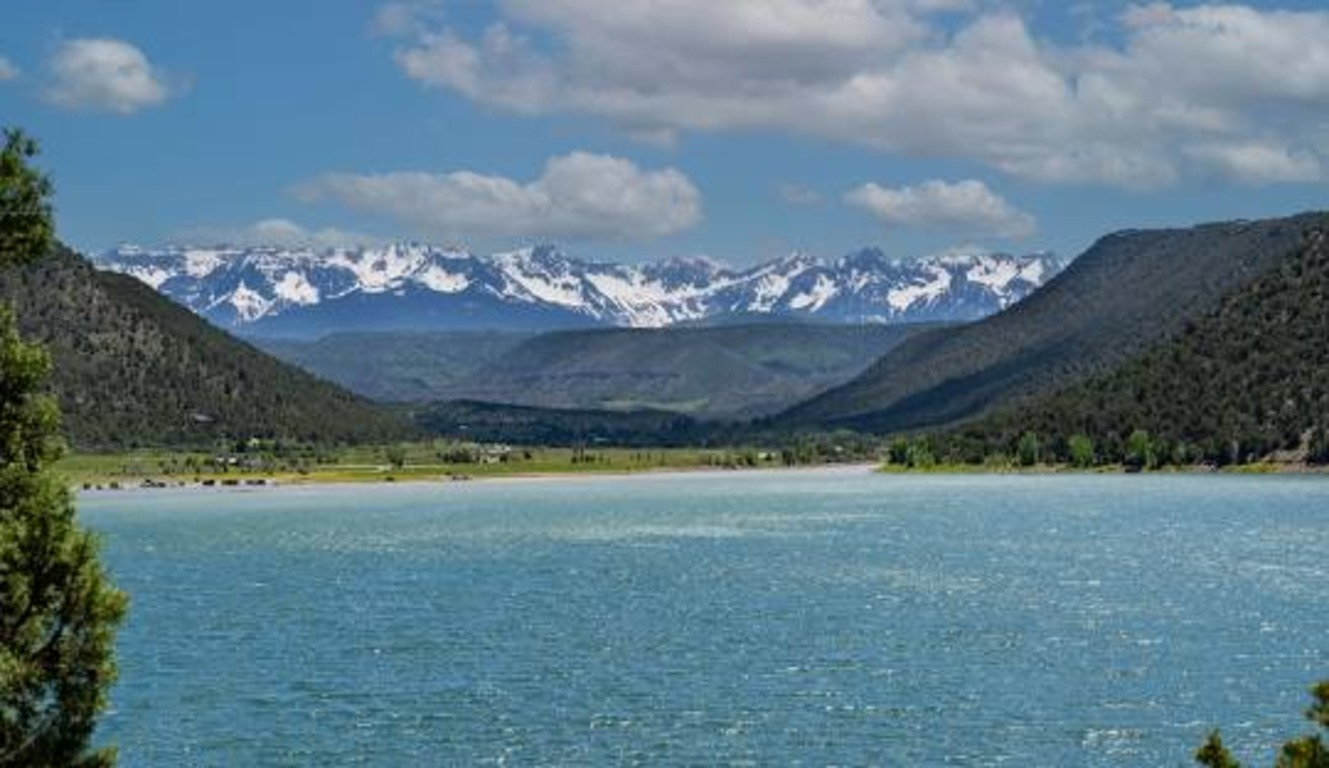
x=166, y=469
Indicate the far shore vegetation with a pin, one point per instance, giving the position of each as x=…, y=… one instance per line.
x=258, y=462
x=261, y=462
x=1134, y=450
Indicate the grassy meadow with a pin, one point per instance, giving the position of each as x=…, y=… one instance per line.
x=429, y=461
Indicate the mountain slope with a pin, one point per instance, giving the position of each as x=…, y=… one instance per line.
x=395, y=367
x=718, y=372
x=1241, y=382
x=1130, y=290
x=279, y=292
x=133, y=369
x=491, y=422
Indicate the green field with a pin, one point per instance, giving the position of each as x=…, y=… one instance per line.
x=429, y=461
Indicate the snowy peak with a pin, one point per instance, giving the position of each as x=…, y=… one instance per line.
x=262, y=290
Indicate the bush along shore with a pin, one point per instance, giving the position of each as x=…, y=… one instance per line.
x=257, y=463
x=1136, y=451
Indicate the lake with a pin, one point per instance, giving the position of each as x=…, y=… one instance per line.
x=805, y=617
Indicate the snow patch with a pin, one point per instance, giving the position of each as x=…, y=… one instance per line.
x=901, y=299
x=249, y=305
x=519, y=268
x=822, y=291
x=201, y=263
x=645, y=303
x=996, y=275
x=437, y=279
x=1033, y=272
x=380, y=270
x=153, y=276
x=767, y=291
x=295, y=288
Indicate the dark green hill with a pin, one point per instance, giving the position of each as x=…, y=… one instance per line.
x=1241, y=382
x=134, y=369
x=492, y=422
x=1127, y=292
x=710, y=372
x=396, y=366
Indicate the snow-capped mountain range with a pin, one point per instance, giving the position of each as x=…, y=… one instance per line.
x=301, y=292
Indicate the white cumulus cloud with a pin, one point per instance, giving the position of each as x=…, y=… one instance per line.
x=966, y=207
x=7, y=69
x=1256, y=163
x=578, y=196
x=104, y=75
x=976, y=83
x=400, y=18
x=278, y=233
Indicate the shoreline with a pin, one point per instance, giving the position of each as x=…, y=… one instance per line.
x=280, y=482
x=1283, y=469
x=332, y=480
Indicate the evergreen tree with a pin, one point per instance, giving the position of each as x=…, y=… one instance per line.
x=1317, y=452
x=1214, y=755
x=1305, y=752
x=58, y=613
x=1310, y=751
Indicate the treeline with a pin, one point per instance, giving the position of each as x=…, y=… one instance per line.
x=522, y=425
x=1246, y=382
x=519, y=425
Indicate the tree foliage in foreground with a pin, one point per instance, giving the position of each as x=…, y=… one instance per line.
x=1305, y=752
x=58, y=613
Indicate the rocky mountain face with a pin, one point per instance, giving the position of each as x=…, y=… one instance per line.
x=266, y=291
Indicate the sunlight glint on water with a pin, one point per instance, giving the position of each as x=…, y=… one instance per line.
x=816, y=617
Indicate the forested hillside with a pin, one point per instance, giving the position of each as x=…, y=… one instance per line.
x=405, y=366
x=1242, y=382
x=1129, y=291
x=132, y=368
x=491, y=422
x=731, y=371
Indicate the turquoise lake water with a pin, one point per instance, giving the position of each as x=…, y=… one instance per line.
x=778, y=618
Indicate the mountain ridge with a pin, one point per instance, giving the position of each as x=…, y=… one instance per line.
x=1241, y=382
x=1129, y=290
x=270, y=291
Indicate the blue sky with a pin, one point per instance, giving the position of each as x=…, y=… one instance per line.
x=740, y=130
